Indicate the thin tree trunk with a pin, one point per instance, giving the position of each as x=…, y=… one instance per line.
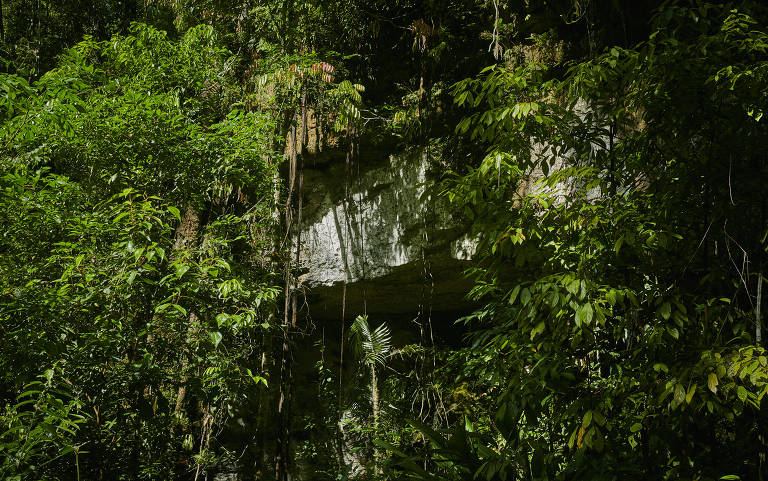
x=758, y=320
x=2, y=25
x=186, y=237
x=286, y=26
x=375, y=397
x=612, y=168
x=375, y=402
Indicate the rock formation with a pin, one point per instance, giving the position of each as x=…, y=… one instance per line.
x=377, y=238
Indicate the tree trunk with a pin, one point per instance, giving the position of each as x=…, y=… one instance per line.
x=374, y=397
x=185, y=239
x=375, y=402
x=2, y=25
x=283, y=408
x=758, y=317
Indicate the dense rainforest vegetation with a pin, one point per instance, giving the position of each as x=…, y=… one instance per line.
x=608, y=158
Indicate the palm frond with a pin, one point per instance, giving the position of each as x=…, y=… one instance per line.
x=372, y=346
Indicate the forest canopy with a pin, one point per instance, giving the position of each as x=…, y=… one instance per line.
x=606, y=159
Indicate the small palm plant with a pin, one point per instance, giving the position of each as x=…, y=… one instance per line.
x=372, y=347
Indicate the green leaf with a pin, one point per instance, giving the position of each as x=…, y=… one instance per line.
x=636, y=427
x=690, y=393
x=665, y=310
x=181, y=269
x=712, y=382
x=538, y=329
x=584, y=314
x=161, y=308
x=175, y=212
x=742, y=393
x=679, y=394
x=525, y=296
x=572, y=439
x=216, y=337
x=515, y=292
x=660, y=366
x=256, y=379
x=674, y=332
x=573, y=286
x=618, y=244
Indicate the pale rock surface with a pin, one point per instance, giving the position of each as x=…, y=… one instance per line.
x=379, y=226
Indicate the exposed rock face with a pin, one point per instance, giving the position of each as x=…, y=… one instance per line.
x=377, y=230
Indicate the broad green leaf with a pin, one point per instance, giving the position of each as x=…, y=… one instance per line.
x=572, y=438
x=742, y=393
x=674, y=332
x=525, y=296
x=712, y=382
x=538, y=329
x=679, y=396
x=584, y=314
x=515, y=292
x=690, y=393
x=665, y=310
x=618, y=243
x=175, y=212
x=216, y=337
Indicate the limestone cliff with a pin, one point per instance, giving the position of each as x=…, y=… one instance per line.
x=377, y=226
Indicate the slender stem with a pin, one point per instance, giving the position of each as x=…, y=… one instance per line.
x=77, y=462
x=758, y=320
x=375, y=402
x=2, y=25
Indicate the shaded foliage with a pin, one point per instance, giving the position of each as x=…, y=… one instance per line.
x=621, y=286
x=610, y=164
x=145, y=316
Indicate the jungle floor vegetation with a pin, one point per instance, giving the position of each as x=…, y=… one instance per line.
x=610, y=159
